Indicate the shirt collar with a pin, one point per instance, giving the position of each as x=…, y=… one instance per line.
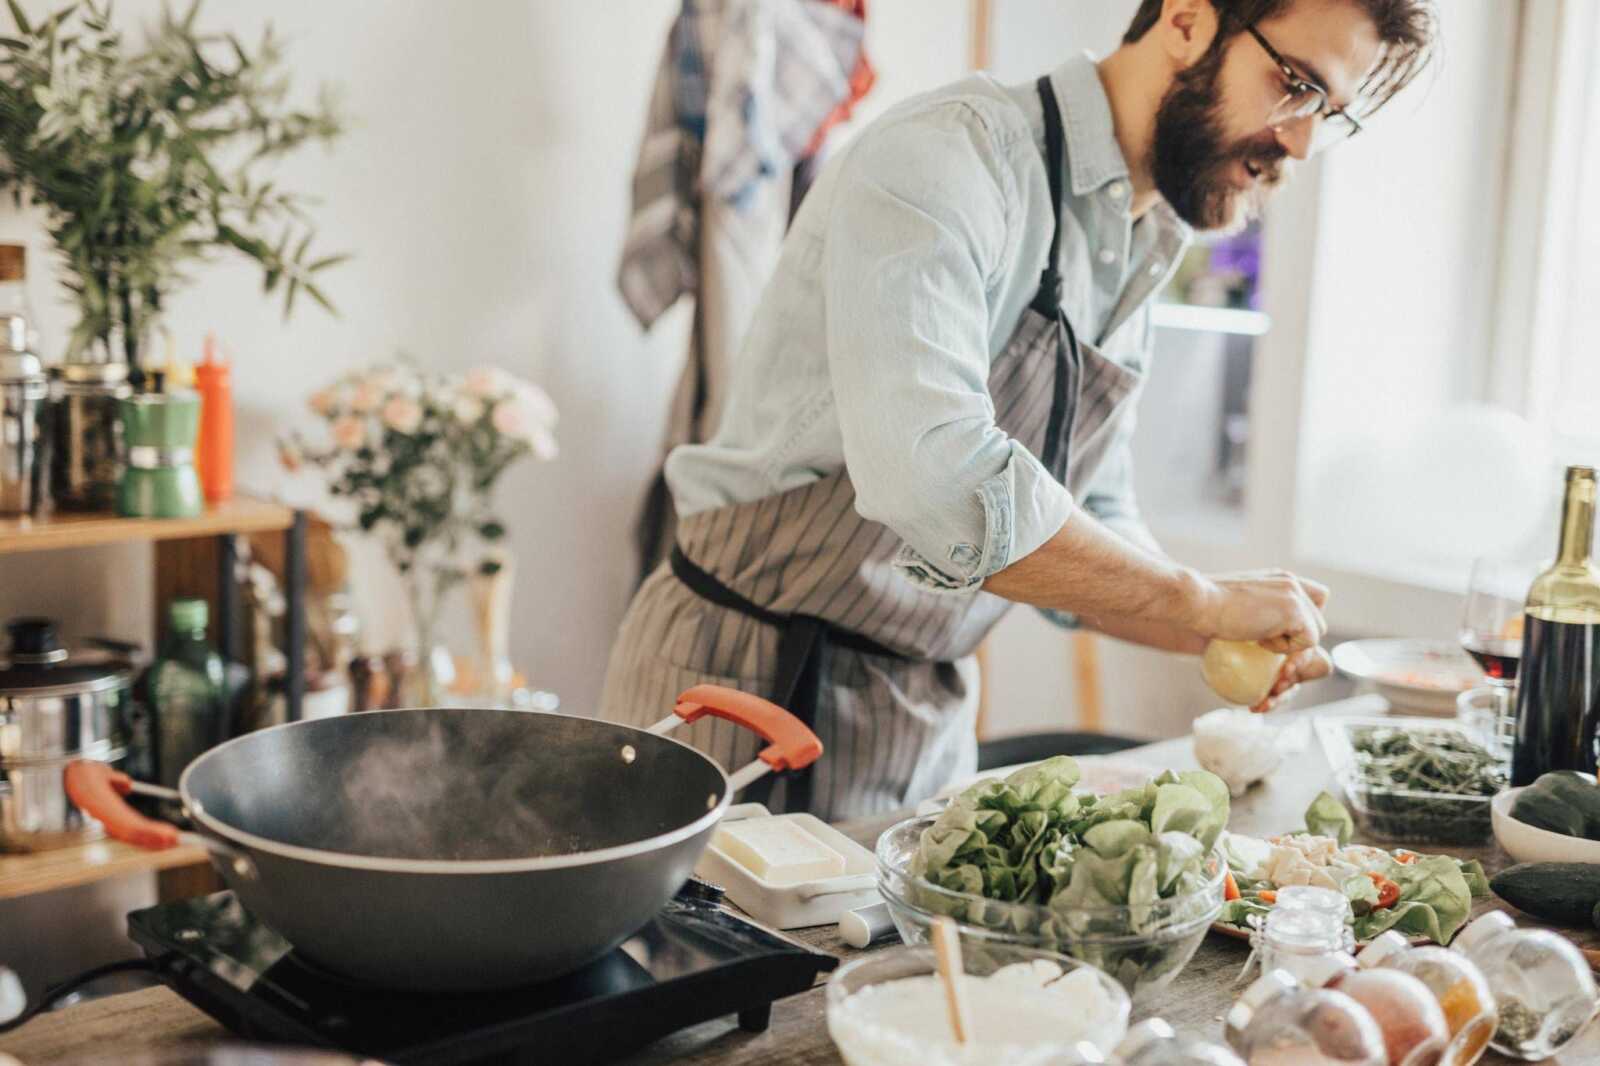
x=1094, y=157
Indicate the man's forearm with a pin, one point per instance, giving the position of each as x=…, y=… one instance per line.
x=1163, y=636
x=1091, y=572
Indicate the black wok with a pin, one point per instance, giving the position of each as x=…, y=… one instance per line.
x=456, y=847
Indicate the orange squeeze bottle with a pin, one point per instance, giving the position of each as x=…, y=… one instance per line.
x=215, y=452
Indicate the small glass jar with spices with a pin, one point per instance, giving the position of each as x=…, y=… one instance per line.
x=1541, y=985
x=1306, y=934
x=1455, y=981
x=1153, y=1043
x=1277, y=1022
x=1412, y=1022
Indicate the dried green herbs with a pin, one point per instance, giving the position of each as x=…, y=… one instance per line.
x=1424, y=785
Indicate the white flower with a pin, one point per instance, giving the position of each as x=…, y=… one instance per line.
x=516, y=419
x=468, y=409
x=538, y=403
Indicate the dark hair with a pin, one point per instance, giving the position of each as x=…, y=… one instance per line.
x=1406, y=27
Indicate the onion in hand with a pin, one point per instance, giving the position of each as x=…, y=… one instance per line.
x=1240, y=671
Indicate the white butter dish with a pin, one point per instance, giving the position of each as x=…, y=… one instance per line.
x=804, y=903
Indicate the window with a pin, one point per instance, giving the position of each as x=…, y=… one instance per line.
x=1563, y=368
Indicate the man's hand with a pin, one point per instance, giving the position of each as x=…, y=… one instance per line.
x=1312, y=664
x=1281, y=611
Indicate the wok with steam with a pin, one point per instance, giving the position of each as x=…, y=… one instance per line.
x=456, y=847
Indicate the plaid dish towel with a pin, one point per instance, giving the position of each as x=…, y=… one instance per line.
x=742, y=92
x=782, y=67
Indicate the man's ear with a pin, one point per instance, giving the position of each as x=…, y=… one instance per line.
x=1185, y=30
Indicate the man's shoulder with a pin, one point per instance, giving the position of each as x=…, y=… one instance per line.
x=976, y=102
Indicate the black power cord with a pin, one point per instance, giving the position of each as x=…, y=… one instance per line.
x=55, y=993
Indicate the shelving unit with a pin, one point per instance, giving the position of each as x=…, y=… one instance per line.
x=22, y=875
x=241, y=514
x=46, y=871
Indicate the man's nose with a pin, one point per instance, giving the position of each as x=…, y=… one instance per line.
x=1297, y=135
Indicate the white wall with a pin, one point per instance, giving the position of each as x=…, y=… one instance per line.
x=483, y=188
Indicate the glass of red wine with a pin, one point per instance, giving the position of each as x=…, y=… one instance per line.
x=1491, y=632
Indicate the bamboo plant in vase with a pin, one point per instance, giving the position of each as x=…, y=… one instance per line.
x=418, y=456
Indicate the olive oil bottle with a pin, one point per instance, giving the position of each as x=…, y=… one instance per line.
x=1558, y=699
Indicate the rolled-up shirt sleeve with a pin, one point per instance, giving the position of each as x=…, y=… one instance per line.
x=917, y=231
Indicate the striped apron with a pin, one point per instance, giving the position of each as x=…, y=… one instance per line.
x=796, y=597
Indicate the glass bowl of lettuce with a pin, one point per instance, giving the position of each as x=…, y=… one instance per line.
x=1128, y=882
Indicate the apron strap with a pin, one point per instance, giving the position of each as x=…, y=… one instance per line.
x=1069, y=360
x=1048, y=299
x=802, y=642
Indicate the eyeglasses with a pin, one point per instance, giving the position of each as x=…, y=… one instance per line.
x=1306, y=99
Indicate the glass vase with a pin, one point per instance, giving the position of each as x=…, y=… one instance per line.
x=490, y=590
x=432, y=670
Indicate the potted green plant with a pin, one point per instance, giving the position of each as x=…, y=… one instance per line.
x=148, y=158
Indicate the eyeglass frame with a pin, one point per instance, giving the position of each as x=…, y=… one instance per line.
x=1298, y=84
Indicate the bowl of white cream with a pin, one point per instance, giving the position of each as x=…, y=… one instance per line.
x=1025, y=1007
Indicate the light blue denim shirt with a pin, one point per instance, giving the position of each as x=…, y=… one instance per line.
x=906, y=271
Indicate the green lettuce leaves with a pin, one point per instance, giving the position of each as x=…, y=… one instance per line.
x=1030, y=839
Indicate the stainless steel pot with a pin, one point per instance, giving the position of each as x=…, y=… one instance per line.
x=23, y=391
x=457, y=847
x=55, y=706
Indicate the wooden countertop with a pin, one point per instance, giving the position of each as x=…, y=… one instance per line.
x=798, y=1036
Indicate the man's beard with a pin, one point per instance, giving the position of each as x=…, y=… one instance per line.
x=1193, y=163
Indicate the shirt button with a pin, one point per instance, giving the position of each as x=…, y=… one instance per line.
x=1117, y=190
x=1156, y=268
x=1107, y=256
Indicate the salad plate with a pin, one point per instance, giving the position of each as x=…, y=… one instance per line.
x=1423, y=897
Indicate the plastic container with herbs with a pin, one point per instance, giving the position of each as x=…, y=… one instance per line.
x=1414, y=780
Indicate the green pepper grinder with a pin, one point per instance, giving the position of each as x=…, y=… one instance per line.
x=159, y=480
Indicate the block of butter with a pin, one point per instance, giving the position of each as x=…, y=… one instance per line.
x=778, y=851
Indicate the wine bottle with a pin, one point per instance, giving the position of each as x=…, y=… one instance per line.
x=1558, y=699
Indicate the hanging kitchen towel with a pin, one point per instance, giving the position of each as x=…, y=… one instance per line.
x=782, y=68
x=753, y=86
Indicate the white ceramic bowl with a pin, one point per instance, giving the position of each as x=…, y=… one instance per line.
x=1529, y=843
x=1420, y=676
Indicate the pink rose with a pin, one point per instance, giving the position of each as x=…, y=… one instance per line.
x=349, y=432
x=324, y=401
x=486, y=382
x=402, y=414
x=367, y=395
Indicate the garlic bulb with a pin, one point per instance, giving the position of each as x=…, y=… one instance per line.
x=1237, y=746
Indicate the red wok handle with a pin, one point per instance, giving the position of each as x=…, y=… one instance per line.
x=792, y=746
x=97, y=790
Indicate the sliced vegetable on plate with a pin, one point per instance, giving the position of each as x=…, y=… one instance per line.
x=1424, y=896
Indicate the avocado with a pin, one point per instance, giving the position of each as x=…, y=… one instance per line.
x=1566, y=893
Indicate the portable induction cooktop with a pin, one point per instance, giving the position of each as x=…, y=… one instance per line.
x=695, y=961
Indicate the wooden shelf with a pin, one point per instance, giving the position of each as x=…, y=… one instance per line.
x=242, y=514
x=45, y=871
